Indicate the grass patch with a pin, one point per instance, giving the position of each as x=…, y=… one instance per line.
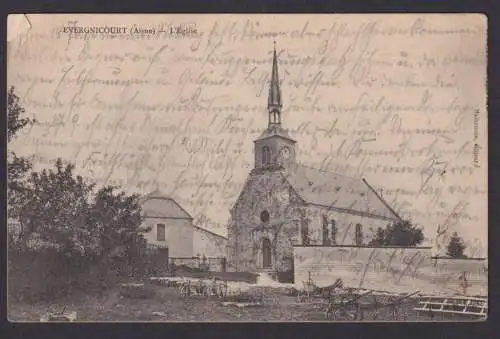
x=137, y=291
x=243, y=298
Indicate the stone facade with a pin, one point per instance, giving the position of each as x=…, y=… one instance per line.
x=264, y=192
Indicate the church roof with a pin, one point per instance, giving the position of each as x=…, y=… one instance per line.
x=275, y=130
x=338, y=191
x=158, y=205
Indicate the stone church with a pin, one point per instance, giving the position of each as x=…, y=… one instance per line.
x=285, y=204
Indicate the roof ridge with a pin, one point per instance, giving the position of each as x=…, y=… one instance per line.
x=158, y=195
x=386, y=204
x=182, y=208
x=155, y=191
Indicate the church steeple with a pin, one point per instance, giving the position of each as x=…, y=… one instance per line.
x=274, y=103
x=274, y=149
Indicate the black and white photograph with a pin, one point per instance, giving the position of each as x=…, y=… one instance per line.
x=247, y=168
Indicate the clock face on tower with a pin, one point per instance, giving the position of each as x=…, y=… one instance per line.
x=285, y=152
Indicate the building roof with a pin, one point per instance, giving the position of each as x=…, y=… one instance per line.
x=338, y=191
x=158, y=205
x=275, y=130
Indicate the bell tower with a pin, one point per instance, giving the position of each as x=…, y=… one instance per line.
x=274, y=149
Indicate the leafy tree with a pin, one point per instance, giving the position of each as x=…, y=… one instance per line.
x=402, y=233
x=456, y=247
x=15, y=112
x=17, y=170
x=17, y=167
x=115, y=220
x=63, y=209
x=54, y=208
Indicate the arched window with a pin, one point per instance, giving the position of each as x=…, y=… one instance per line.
x=266, y=156
x=358, y=236
x=326, y=238
x=329, y=231
x=264, y=216
x=333, y=231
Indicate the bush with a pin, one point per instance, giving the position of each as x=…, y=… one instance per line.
x=401, y=233
x=456, y=247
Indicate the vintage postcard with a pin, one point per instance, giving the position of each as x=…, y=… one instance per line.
x=247, y=167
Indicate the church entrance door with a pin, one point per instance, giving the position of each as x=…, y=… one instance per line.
x=266, y=253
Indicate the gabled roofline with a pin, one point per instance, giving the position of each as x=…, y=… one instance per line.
x=382, y=200
x=236, y=202
x=148, y=197
x=351, y=211
x=182, y=209
x=275, y=135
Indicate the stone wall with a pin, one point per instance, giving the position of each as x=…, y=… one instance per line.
x=393, y=269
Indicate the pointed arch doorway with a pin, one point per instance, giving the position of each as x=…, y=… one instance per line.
x=266, y=253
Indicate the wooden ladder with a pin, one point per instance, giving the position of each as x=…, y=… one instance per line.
x=462, y=305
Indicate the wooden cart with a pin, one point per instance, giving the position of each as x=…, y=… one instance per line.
x=213, y=287
x=351, y=307
x=311, y=291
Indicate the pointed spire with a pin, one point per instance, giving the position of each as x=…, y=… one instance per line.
x=274, y=103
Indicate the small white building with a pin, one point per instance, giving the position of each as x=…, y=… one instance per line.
x=172, y=226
